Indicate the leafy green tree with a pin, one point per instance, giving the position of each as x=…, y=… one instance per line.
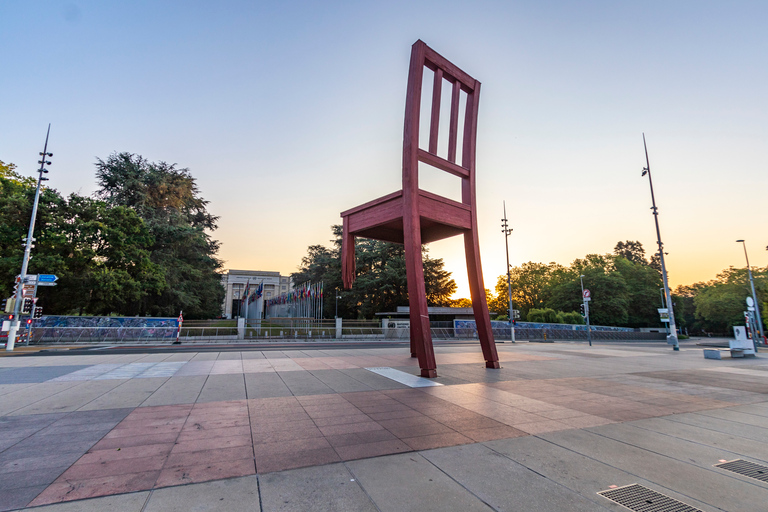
x=100, y=253
x=381, y=283
x=167, y=200
x=720, y=303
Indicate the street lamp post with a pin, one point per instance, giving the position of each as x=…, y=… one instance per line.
x=586, y=310
x=507, y=230
x=28, y=245
x=754, y=295
x=672, y=337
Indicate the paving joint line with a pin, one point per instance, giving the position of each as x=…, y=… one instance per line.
x=459, y=483
x=361, y=486
x=709, y=469
x=559, y=484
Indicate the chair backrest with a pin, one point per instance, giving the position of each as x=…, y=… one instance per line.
x=422, y=56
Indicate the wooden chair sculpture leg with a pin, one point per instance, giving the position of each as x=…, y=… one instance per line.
x=421, y=334
x=479, y=302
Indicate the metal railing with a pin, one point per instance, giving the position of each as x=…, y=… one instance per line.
x=318, y=330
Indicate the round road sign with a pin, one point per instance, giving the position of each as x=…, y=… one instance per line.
x=587, y=294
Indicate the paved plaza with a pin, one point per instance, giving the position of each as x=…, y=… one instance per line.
x=352, y=428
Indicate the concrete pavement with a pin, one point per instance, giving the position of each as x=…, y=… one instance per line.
x=327, y=430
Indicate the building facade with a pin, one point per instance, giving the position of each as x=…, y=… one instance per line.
x=235, y=282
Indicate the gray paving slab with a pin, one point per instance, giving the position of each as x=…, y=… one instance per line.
x=231, y=495
x=329, y=488
x=71, y=398
x=36, y=374
x=29, y=477
x=734, y=444
x=574, y=471
x=303, y=383
x=229, y=356
x=25, y=461
x=131, y=393
x=265, y=385
x=340, y=382
x=205, y=356
x=7, y=389
x=130, y=502
x=14, y=499
x=503, y=483
x=683, y=450
x=177, y=390
x=721, y=425
x=705, y=485
x=31, y=394
x=738, y=417
x=410, y=482
x=252, y=354
x=223, y=387
x=373, y=380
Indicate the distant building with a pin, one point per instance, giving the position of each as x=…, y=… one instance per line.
x=235, y=281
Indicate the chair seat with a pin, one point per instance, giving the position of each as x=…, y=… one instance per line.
x=382, y=218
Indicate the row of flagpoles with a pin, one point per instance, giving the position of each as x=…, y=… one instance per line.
x=304, y=301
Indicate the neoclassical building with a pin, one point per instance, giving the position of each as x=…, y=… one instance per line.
x=235, y=281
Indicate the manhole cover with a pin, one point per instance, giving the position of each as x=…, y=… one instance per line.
x=642, y=499
x=746, y=468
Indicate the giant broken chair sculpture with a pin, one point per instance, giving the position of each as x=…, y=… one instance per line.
x=414, y=217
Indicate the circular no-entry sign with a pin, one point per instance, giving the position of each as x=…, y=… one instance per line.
x=587, y=294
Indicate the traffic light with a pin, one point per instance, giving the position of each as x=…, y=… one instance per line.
x=5, y=304
x=29, y=322
x=38, y=312
x=27, y=306
x=582, y=309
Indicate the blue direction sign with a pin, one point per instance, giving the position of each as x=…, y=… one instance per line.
x=47, y=278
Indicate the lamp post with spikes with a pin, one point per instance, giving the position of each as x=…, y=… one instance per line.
x=672, y=338
x=28, y=245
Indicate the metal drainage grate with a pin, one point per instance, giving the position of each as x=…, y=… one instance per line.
x=746, y=468
x=642, y=499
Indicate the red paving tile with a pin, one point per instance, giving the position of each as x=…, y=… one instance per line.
x=211, y=444
x=196, y=458
x=64, y=490
x=128, y=452
x=172, y=445
x=86, y=471
x=140, y=440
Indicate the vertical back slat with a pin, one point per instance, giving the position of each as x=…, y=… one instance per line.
x=434, y=125
x=454, y=130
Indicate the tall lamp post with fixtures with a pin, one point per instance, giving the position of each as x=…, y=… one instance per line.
x=672, y=337
x=754, y=295
x=28, y=245
x=507, y=230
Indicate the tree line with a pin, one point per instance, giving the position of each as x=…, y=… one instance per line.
x=139, y=246
x=626, y=287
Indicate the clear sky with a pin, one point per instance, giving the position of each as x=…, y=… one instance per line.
x=288, y=113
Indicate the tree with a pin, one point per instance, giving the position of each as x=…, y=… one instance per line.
x=632, y=251
x=720, y=303
x=100, y=253
x=381, y=283
x=167, y=200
